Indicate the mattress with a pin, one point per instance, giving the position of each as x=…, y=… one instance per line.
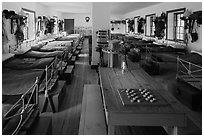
x=38, y=54
x=57, y=45
x=17, y=82
x=66, y=38
x=172, y=57
x=165, y=49
x=27, y=63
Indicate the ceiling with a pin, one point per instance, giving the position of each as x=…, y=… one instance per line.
x=85, y=7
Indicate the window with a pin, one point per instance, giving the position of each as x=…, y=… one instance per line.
x=179, y=27
x=126, y=26
x=29, y=29
x=136, y=23
x=55, y=25
x=175, y=26
x=150, y=26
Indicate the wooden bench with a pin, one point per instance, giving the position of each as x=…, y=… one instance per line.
x=92, y=120
x=76, y=53
x=69, y=74
x=61, y=68
x=72, y=61
x=189, y=95
x=68, y=58
x=52, y=102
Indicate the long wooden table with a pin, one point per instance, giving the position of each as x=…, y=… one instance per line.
x=112, y=79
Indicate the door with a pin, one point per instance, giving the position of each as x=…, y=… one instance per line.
x=69, y=26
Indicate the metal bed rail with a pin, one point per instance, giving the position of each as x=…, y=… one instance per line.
x=32, y=96
x=187, y=68
x=52, y=69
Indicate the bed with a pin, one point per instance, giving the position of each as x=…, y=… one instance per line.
x=39, y=54
x=15, y=82
x=69, y=37
x=19, y=73
x=75, y=37
x=17, y=118
x=27, y=85
x=167, y=53
x=189, y=81
x=189, y=69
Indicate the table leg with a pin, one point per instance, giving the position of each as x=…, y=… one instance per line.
x=111, y=130
x=175, y=130
x=171, y=130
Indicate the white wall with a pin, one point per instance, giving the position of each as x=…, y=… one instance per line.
x=116, y=26
x=101, y=21
x=79, y=19
x=39, y=9
x=165, y=6
x=16, y=6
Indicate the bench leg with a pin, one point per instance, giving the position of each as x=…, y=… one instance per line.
x=47, y=101
x=111, y=130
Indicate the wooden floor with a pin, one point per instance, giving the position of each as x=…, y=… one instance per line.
x=66, y=122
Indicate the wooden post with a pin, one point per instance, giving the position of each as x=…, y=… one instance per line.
x=111, y=130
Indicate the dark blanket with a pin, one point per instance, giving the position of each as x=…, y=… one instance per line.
x=193, y=58
x=165, y=49
x=16, y=82
x=27, y=63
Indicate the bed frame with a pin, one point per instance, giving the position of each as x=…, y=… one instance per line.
x=29, y=102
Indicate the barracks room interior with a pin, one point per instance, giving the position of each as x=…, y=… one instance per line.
x=101, y=68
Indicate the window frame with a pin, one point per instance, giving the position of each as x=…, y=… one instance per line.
x=127, y=30
x=26, y=11
x=152, y=27
x=175, y=26
x=136, y=17
x=175, y=11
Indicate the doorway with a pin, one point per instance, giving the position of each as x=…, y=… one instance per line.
x=69, y=26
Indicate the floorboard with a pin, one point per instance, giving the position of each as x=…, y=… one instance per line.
x=66, y=122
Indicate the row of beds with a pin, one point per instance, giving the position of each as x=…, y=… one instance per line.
x=26, y=76
x=188, y=65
